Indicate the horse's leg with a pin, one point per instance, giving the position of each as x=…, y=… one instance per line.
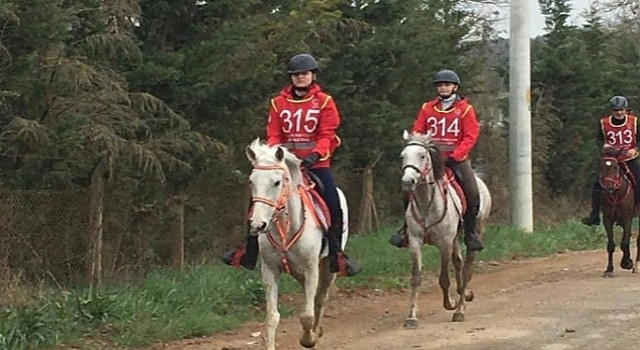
x=308, y=339
x=467, y=274
x=611, y=247
x=636, y=267
x=469, y=266
x=445, y=256
x=456, y=257
x=415, y=249
x=270, y=279
x=626, y=262
x=326, y=280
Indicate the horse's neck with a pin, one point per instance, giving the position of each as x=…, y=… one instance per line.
x=294, y=210
x=431, y=199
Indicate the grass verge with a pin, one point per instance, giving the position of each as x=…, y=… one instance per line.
x=168, y=305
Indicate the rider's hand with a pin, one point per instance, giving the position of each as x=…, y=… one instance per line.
x=310, y=160
x=449, y=162
x=632, y=153
x=607, y=146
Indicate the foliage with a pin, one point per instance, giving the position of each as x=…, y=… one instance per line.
x=211, y=298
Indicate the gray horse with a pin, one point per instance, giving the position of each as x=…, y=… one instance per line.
x=433, y=217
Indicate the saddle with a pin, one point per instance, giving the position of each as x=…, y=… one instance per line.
x=313, y=200
x=450, y=178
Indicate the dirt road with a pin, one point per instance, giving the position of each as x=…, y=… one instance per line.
x=555, y=303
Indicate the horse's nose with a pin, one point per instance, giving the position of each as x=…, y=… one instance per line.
x=408, y=184
x=258, y=226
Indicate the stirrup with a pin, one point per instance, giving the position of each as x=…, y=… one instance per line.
x=473, y=243
x=400, y=239
x=238, y=258
x=343, y=266
x=591, y=220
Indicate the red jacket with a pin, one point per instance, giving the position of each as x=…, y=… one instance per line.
x=305, y=125
x=621, y=134
x=455, y=130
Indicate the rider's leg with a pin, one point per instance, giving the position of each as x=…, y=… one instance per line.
x=593, y=219
x=246, y=254
x=399, y=239
x=338, y=261
x=634, y=167
x=467, y=180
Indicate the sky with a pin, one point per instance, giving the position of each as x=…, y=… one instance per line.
x=537, y=20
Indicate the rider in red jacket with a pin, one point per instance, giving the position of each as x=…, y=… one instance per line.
x=453, y=125
x=618, y=131
x=304, y=119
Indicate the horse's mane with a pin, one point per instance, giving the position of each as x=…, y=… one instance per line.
x=434, y=152
x=266, y=155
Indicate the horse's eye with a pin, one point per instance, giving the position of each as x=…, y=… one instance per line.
x=423, y=156
x=276, y=184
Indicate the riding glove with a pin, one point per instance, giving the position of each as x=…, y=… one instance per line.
x=310, y=160
x=449, y=162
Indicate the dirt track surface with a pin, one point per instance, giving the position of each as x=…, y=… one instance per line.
x=556, y=303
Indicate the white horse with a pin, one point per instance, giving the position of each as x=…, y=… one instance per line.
x=434, y=217
x=290, y=238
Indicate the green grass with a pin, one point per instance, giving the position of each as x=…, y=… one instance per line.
x=202, y=300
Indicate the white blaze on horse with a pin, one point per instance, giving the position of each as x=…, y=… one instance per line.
x=434, y=217
x=290, y=236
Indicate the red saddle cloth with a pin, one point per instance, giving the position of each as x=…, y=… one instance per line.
x=314, y=201
x=450, y=178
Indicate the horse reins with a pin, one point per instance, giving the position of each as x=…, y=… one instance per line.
x=283, y=226
x=412, y=198
x=615, y=182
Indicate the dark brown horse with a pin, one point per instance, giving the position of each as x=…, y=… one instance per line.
x=617, y=208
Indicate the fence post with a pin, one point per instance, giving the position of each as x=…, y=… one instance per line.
x=96, y=207
x=176, y=234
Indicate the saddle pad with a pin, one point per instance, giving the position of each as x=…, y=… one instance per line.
x=450, y=178
x=321, y=210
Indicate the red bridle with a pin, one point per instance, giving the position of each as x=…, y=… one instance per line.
x=282, y=222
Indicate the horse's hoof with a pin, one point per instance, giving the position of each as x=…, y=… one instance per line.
x=458, y=317
x=626, y=264
x=410, y=323
x=469, y=296
x=308, y=343
x=608, y=274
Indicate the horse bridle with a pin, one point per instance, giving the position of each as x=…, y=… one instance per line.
x=616, y=180
x=423, y=172
x=281, y=202
x=412, y=200
x=282, y=225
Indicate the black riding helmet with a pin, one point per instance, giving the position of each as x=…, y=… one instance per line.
x=446, y=76
x=619, y=102
x=302, y=63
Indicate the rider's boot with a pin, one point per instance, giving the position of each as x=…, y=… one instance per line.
x=245, y=255
x=471, y=238
x=593, y=219
x=400, y=239
x=339, y=262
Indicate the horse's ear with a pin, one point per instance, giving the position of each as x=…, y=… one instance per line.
x=251, y=155
x=279, y=154
x=405, y=135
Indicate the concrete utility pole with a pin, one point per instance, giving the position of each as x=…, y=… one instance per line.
x=520, y=174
